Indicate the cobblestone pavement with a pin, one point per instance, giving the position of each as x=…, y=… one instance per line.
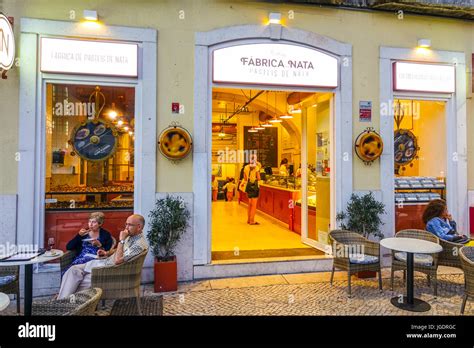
x=318, y=299
x=305, y=294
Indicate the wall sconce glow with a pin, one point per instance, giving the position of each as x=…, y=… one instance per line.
x=424, y=43
x=221, y=134
x=274, y=18
x=90, y=15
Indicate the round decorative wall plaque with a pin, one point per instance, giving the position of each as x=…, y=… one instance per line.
x=175, y=142
x=369, y=146
x=406, y=147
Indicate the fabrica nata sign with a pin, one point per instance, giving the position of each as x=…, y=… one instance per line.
x=7, y=44
x=275, y=64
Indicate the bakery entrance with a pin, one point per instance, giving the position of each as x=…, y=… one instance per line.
x=89, y=161
x=282, y=140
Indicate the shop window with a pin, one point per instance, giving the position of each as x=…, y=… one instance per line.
x=89, y=160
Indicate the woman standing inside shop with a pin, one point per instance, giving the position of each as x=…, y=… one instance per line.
x=284, y=167
x=215, y=188
x=251, y=177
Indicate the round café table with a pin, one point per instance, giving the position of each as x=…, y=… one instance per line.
x=4, y=301
x=411, y=246
x=29, y=274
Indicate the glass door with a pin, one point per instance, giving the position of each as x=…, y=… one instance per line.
x=317, y=180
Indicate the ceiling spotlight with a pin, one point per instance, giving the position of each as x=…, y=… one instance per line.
x=286, y=116
x=120, y=122
x=260, y=127
x=267, y=125
x=131, y=133
x=125, y=128
x=252, y=130
x=275, y=120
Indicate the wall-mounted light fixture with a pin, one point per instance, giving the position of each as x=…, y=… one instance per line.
x=424, y=43
x=90, y=15
x=274, y=18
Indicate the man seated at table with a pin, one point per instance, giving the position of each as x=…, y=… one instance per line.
x=132, y=243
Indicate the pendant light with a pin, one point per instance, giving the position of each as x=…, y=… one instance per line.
x=266, y=123
x=287, y=116
x=252, y=130
x=274, y=119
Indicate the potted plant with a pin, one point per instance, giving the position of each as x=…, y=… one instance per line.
x=168, y=222
x=363, y=216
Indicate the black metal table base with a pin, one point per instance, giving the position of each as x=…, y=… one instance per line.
x=417, y=306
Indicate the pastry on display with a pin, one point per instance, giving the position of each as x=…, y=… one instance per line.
x=88, y=205
x=90, y=189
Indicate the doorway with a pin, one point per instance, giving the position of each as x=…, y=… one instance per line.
x=286, y=131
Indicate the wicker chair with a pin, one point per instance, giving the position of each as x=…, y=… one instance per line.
x=353, y=262
x=450, y=254
x=120, y=281
x=81, y=303
x=466, y=256
x=10, y=282
x=430, y=269
x=67, y=258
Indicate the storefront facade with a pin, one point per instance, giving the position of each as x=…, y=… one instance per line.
x=175, y=65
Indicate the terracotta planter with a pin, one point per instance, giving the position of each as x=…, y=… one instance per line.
x=366, y=274
x=166, y=275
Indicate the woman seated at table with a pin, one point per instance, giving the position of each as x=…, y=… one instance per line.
x=439, y=222
x=91, y=242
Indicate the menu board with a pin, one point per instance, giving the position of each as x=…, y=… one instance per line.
x=266, y=144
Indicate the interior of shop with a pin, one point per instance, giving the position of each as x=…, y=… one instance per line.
x=89, y=157
x=270, y=124
x=420, y=159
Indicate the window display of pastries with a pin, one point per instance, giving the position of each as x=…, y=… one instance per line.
x=89, y=205
x=86, y=189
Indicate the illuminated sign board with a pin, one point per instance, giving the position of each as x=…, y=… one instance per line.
x=424, y=77
x=7, y=43
x=275, y=64
x=89, y=57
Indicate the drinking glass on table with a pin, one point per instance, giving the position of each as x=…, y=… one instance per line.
x=50, y=243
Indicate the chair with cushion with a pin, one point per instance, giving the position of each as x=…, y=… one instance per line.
x=450, y=254
x=120, y=281
x=81, y=303
x=67, y=258
x=10, y=282
x=354, y=253
x=466, y=257
x=424, y=263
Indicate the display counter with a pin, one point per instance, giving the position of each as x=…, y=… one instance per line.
x=277, y=202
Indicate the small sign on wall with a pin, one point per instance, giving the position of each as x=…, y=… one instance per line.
x=365, y=111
